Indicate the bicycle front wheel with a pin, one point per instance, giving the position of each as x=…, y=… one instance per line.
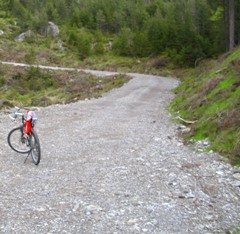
x=17, y=141
x=35, y=147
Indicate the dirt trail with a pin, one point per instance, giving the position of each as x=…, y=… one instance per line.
x=115, y=165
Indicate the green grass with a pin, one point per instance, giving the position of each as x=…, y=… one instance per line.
x=235, y=230
x=212, y=98
x=222, y=85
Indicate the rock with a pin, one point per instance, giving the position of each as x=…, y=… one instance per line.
x=180, y=144
x=93, y=209
x=52, y=29
x=181, y=127
x=60, y=45
x=186, y=130
x=23, y=36
x=236, y=175
x=40, y=209
x=205, y=143
x=132, y=221
x=100, y=87
x=236, y=183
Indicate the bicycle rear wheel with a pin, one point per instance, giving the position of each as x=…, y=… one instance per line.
x=18, y=142
x=35, y=147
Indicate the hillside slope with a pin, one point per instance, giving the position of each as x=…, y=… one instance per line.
x=210, y=97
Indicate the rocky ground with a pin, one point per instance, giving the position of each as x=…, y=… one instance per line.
x=116, y=165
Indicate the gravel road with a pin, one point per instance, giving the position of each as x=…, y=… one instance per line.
x=115, y=165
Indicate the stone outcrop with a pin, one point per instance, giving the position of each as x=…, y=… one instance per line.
x=23, y=36
x=52, y=29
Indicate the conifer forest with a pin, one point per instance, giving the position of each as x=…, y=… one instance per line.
x=183, y=30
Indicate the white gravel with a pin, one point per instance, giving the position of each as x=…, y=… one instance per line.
x=115, y=165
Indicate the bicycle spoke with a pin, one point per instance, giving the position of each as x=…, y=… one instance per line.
x=18, y=142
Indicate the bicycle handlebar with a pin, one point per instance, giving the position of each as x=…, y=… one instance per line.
x=30, y=114
x=16, y=114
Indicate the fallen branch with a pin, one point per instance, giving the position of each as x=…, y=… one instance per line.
x=220, y=70
x=186, y=121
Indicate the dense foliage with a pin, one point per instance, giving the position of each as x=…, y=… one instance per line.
x=184, y=30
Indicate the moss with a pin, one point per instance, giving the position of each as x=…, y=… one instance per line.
x=222, y=85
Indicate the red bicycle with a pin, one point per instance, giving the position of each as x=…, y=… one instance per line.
x=24, y=139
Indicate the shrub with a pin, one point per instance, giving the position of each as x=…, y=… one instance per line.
x=30, y=57
x=81, y=41
x=123, y=43
x=2, y=81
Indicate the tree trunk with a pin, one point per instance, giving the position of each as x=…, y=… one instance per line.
x=231, y=24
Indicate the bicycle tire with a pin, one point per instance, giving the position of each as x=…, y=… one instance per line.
x=35, y=147
x=17, y=141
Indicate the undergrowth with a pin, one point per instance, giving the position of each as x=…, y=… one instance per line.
x=211, y=98
x=37, y=87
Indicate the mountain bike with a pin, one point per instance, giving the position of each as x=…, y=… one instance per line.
x=24, y=143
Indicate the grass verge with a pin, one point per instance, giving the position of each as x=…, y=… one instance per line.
x=37, y=87
x=211, y=98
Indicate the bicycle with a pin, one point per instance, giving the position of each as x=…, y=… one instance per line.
x=24, y=143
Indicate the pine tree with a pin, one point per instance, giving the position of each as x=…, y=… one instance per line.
x=231, y=24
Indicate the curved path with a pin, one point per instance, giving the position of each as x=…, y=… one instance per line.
x=115, y=165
